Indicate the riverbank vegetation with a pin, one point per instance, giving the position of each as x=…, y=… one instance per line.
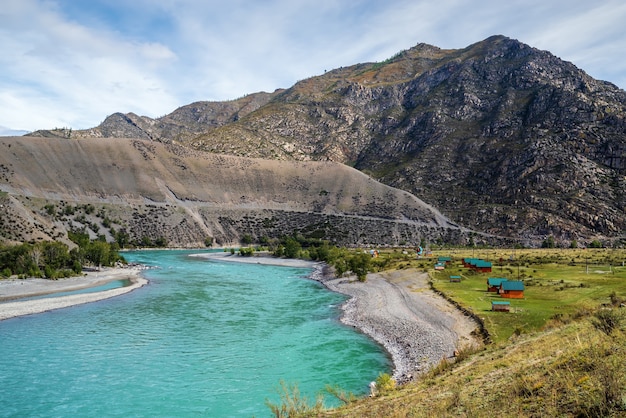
x=343, y=260
x=559, y=351
x=54, y=260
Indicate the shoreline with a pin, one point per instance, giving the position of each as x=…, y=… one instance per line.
x=397, y=309
x=13, y=289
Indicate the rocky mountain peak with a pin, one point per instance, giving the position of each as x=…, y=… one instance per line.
x=500, y=136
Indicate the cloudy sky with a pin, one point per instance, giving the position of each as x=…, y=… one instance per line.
x=71, y=63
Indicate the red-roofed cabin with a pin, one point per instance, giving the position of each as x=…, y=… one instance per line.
x=482, y=266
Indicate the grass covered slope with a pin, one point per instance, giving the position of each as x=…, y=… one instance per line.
x=559, y=284
x=560, y=351
x=575, y=370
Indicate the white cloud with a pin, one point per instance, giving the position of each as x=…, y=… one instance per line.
x=65, y=63
x=59, y=73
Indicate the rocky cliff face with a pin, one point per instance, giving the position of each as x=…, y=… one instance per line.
x=501, y=137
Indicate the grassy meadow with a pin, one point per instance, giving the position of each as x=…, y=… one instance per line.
x=559, y=284
x=561, y=351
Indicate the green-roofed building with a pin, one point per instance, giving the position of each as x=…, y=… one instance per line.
x=493, y=284
x=500, y=306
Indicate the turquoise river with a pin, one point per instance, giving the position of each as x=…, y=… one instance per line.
x=202, y=339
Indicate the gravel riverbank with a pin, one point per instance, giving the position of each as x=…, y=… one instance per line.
x=399, y=310
x=417, y=327
x=11, y=290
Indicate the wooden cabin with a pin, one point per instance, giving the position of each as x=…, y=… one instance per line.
x=440, y=266
x=455, y=279
x=467, y=262
x=445, y=260
x=483, y=266
x=477, y=264
x=500, y=306
x=512, y=289
x=493, y=284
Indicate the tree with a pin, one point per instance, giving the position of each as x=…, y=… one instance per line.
x=246, y=239
x=548, y=242
x=55, y=254
x=35, y=256
x=360, y=265
x=98, y=253
x=122, y=238
x=292, y=248
x=341, y=266
x=80, y=238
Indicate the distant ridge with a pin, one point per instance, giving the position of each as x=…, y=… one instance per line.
x=501, y=137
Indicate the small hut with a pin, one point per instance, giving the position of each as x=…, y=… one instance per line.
x=493, y=284
x=500, y=306
x=455, y=279
x=512, y=289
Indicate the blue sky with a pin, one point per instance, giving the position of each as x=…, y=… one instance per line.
x=71, y=63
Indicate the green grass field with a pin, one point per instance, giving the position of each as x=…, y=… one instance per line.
x=559, y=283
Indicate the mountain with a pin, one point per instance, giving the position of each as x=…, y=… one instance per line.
x=499, y=136
x=150, y=192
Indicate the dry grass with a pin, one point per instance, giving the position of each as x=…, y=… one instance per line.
x=575, y=370
x=573, y=366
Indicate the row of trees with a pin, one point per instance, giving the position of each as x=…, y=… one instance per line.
x=53, y=260
x=342, y=259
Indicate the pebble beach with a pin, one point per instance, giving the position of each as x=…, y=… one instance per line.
x=14, y=289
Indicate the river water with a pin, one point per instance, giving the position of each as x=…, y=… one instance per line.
x=203, y=338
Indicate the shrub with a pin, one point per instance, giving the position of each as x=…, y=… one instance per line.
x=292, y=403
x=595, y=244
x=385, y=383
x=607, y=320
x=616, y=300
x=340, y=394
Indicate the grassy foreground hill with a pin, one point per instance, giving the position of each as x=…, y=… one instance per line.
x=572, y=370
x=559, y=352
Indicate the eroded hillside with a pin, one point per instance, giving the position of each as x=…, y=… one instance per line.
x=154, y=190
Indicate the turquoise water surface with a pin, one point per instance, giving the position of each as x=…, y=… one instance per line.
x=203, y=338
